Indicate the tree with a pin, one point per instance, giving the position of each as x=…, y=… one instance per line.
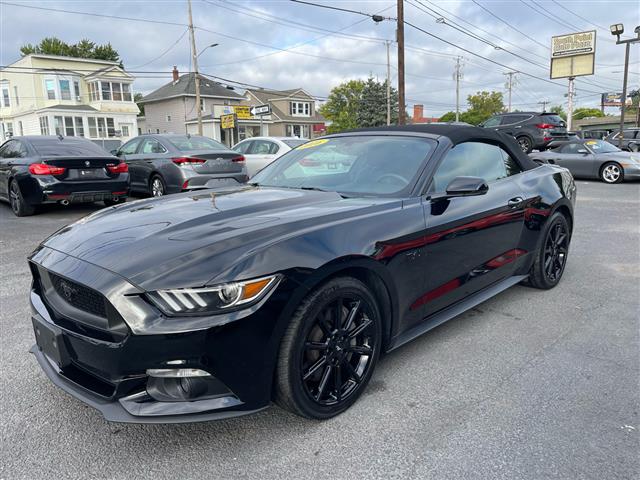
x=448, y=117
x=585, y=112
x=557, y=109
x=136, y=98
x=482, y=106
x=342, y=106
x=83, y=49
x=373, y=104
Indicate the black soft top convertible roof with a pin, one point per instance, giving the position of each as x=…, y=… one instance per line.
x=464, y=133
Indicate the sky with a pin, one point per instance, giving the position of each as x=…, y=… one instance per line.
x=280, y=44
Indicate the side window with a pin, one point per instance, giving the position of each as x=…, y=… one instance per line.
x=21, y=150
x=150, y=145
x=263, y=147
x=473, y=159
x=571, y=148
x=492, y=122
x=243, y=147
x=11, y=149
x=511, y=119
x=130, y=147
x=4, y=151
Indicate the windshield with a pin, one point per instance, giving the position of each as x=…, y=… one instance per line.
x=365, y=165
x=600, y=146
x=293, y=143
x=185, y=143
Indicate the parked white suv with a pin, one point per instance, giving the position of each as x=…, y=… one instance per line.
x=261, y=151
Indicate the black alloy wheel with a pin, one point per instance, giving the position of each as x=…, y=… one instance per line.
x=551, y=260
x=18, y=205
x=525, y=144
x=330, y=350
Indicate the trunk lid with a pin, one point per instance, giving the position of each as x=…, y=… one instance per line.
x=215, y=162
x=84, y=168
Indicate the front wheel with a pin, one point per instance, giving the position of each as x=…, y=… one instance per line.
x=551, y=259
x=611, y=173
x=329, y=350
x=18, y=204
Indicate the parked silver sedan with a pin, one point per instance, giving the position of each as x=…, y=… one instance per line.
x=261, y=151
x=162, y=164
x=592, y=159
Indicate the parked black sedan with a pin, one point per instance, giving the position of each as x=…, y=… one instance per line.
x=211, y=304
x=164, y=163
x=47, y=169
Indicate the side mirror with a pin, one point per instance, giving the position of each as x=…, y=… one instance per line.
x=464, y=187
x=114, y=152
x=583, y=151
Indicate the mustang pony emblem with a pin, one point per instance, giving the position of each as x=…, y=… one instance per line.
x=67, y=290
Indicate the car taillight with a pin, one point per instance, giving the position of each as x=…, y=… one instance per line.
x=187, y=161
x=119, y=168
x=239, y=158
x=44, y=169
x=544, y=126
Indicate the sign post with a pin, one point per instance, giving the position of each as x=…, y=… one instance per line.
x=260, y=111
x=572, y=55
x=228, y=123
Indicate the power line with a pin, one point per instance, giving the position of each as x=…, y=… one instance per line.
x=163, y=53
x=330, y=7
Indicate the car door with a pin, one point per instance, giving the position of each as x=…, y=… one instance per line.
x=575, y=157
x=471, y=242
x=260, y=154
x=146, y=160
x=5, y=167
x=512, y=124
x=127, y=153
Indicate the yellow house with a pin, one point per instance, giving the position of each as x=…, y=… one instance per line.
x=52, y=95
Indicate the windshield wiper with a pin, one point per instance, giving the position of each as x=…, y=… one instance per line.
x=317, y=189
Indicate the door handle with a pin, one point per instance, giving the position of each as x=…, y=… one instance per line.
x=515, y=202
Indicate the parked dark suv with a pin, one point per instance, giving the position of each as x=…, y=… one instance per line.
x=630, y=142
x=532, y=130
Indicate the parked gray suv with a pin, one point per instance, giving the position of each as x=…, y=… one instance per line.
x=161, y=164
x=532, y=130
x=630, y=140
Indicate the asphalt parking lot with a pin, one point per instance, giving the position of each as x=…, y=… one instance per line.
x=530, y=384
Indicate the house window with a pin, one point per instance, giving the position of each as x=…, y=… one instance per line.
x=68, y=126
x=15, y=94
x=102, y=129
x=168, y=118
x=65, y=90
x=94, y=94
x=44, y=125
x=106, y=90
x=203, y=107
x=124, y=130
x=300, y=131
x=5, y=97
x=76, y=88
x=20, y=129
x=58, y=125
x=50, y=87
x=117, y=91
x=79, y=126
x=299, y=109
x=111, y=127
x=9, y=129
x=93, y=130
x=126, y=92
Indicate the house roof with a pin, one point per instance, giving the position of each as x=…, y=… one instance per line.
x=75, y=108
x=268, y=96
x=186, y=86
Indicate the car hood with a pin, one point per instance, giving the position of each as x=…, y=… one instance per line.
x=166, y=242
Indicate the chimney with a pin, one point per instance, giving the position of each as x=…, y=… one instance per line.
x=418, y=113
x=175, y=73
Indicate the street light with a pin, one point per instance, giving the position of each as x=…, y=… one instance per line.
x=617, y=29
x=205, y=48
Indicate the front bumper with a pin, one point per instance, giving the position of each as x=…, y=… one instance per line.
x=99, y=359
x=631, y=171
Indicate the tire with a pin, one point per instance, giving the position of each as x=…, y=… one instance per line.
x=550, y=261
x=19, y=206
x=526, y=145
x=611, y=172
x=317, y=355
x=157, y=186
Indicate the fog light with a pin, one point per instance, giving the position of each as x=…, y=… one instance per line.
x=176, y=372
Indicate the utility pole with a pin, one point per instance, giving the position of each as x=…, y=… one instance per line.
x=194, y=55
x=457, y=76
x=509, y=86
x=388, y=85
x=544, y=105
x=402, y=112
x=570, y=103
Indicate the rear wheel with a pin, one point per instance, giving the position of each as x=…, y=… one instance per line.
x=157, y=187
x=329, y=350
x=19, y=206
x=548, y=267
x=526, y=145
x=611, y=173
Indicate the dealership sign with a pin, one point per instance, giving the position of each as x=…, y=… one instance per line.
x=228, y=121
x=242, y=111
x=573, y=55
x=614, y=99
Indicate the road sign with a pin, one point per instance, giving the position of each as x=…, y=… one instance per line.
x=260, y=110
x=242, y=112
x=573, y=55
x=228, y=121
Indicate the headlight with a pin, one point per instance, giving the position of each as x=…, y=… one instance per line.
x=212, y=300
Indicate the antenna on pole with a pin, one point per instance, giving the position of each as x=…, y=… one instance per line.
x=511, y=82
x=457, y=75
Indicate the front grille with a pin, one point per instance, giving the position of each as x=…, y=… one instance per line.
x=79, y=296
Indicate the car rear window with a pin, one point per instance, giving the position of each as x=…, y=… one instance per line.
x=553, y=118
x=295, y=143
x=67, y=147
x=186, y=143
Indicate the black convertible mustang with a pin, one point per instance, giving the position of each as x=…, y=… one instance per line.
x=211, y=304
